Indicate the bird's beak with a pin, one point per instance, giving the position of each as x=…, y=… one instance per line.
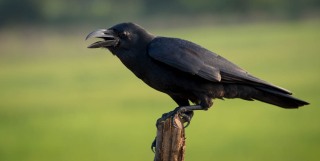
x=108, y=37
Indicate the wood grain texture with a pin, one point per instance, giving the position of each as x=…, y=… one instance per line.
x=170, y=140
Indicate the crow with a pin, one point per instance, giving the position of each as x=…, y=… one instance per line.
x=187, y=72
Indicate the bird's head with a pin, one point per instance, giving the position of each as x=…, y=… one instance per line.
x=121, y=36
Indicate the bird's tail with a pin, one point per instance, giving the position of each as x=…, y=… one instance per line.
x=278, y=98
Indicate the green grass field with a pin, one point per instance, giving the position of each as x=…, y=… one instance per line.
x=60, y=101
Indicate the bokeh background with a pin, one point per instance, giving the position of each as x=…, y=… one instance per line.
x=60, y=101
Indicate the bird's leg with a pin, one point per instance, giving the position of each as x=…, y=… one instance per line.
x=184, y=112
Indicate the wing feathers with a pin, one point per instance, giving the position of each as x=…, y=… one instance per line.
x=184, y=58
x=196, y=60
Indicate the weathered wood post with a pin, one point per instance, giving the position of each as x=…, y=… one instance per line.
x=170, y=140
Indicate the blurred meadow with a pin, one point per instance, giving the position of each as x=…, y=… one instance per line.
x=62, y=101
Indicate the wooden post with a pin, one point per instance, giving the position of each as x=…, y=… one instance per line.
x=170, y=140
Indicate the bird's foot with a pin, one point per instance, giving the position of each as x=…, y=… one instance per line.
x=185, y=116
x=184, y=112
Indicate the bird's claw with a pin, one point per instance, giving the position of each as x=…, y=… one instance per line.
x=185, y=118
x=184, y=114
x=153, y=145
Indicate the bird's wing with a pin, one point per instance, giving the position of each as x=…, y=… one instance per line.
x=184, y=56
x=196, y=60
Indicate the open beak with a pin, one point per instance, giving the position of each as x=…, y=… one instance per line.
x=109, y=40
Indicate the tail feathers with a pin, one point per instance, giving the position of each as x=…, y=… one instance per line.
x=278, y=98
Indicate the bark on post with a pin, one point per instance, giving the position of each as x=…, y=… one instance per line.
x=170, y=140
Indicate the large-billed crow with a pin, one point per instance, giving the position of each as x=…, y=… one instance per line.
x=186, y=71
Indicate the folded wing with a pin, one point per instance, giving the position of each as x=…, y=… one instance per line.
x=196, y=60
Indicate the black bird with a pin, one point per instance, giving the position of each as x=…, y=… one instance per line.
x=186, y=71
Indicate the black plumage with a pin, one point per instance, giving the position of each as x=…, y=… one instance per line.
x=186, y=71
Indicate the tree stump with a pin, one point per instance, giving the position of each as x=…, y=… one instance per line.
x=170, y=140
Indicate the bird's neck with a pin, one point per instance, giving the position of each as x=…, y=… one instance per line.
x=134, y=61
x=135, y=58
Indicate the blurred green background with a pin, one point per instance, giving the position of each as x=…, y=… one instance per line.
x=60, y=101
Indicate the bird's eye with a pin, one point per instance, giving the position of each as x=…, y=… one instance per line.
x=124, y=34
